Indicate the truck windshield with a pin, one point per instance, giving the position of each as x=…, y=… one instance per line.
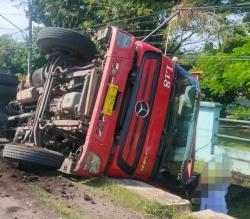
x=181, y=123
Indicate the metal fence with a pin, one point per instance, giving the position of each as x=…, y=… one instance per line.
x=240, y=157
x=234, y=137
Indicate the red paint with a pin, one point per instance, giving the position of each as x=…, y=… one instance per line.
x=103, y=144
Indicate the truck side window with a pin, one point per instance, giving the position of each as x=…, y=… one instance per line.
x=182, y=125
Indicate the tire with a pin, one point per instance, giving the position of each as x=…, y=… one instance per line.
x=32, y=156
x=7, y=79
x=49, y=39
x=7, y=93
x=3, y=118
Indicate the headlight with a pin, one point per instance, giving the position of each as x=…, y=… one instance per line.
x=123, y=40
x=92, y=163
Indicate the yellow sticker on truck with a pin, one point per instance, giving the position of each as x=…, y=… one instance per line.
x=110, y=100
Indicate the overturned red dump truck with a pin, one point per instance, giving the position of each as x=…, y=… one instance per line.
x=131, y=113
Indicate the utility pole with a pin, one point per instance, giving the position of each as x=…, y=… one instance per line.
x=30, y=38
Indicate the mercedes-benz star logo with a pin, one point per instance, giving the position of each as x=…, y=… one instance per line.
x=141, y=109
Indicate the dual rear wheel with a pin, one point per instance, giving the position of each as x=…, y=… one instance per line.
x=49, y=40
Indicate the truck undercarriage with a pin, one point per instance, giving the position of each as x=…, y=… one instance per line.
x=131, y=113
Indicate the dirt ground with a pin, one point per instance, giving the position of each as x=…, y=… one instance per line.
x=17, y=199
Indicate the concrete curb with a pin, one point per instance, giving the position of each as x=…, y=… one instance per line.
x=149, y=192
x=209, y=214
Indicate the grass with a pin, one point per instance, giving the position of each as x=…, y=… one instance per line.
x=238, y=200
x=131, y=200
x=199, y=165
x=243, y=133
x=234, y=144
x=237, y=178
x=57, y=206
x=241, y=179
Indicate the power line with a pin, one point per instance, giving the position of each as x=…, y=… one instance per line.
x=194, y=28
x=154, y=13
x=191, y=29
x=9, y=21
x=162, y=34
x=4, y=28
x=146, y=21
x=199, y=28
x=168, y=19
x=209, y=57
x=216, y=7
x=138, y=30
x=216, y=59
x=96, y=26
x=12, y=49
x=206, y=56
x=13, y=14
x=16, y=32
x=127, y=19
x=245, y=3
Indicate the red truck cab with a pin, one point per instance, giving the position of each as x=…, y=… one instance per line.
x=144, y=118
x=131, y=114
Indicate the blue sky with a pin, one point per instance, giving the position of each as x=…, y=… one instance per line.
x=14, y=14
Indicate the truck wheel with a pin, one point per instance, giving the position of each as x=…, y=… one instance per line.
x=7, y=93
x=32, y=156
x=8, y=79
x=49, y=39
x=3, y=118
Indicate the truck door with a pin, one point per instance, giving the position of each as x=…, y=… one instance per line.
x=182, y=124
x=138, y=115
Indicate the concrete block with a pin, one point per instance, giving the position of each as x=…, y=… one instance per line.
x=209, y=214
x=153, y=193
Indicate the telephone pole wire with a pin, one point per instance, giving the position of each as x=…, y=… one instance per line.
x=9, y=21
x=162, y=24
x=30, y=38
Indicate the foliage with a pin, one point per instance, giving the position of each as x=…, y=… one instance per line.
x=226, y=75
x=241, y=179
x=137, y=17
x=13, y=55
x=242, y=113
x=223, y=79
x=38, y=57
x=129, y=199
x=238, y=112
x=56, y=205
x=85, y=15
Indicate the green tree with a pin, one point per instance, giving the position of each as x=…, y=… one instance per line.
x=226, y=74
x=38, y=57
x=88, y=14
x=13, y=55
x=138, y=17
